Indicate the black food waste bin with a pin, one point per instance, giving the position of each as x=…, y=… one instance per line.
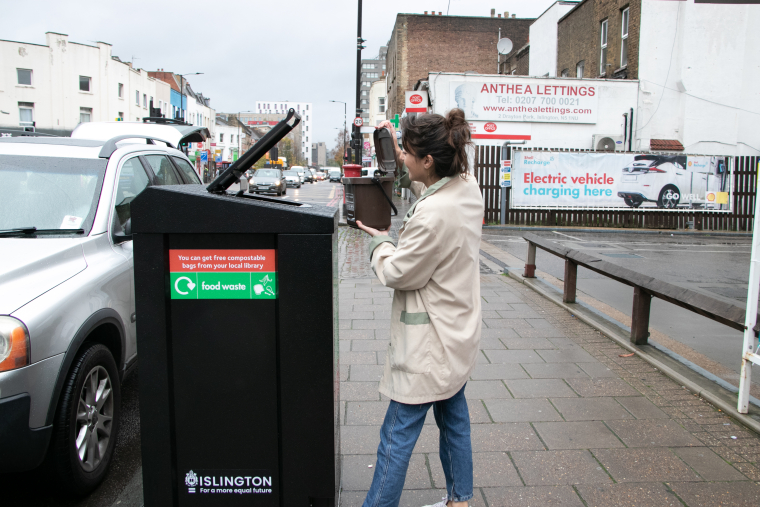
x=236, y=299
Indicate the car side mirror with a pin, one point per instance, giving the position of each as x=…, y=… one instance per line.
x=122, y=234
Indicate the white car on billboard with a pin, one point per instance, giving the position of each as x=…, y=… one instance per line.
x=672, y=180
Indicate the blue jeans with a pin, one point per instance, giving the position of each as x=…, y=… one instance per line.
x=398, y=435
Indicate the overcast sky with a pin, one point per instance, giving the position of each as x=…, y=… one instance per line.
x=297, y=50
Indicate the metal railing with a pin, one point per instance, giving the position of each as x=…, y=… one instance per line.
x=644, y=289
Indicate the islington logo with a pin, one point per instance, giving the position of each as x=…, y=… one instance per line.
x=415, y=99
x=490, y=127
x=238, y=482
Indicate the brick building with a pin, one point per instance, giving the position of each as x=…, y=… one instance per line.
x=518, y=63
x=422, y=43
x=600, y=38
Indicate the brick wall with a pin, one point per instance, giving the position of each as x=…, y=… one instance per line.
x=422, y=44
x=518, y=63
x=579, y=38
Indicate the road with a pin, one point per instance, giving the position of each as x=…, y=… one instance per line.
x=123, y=485
x=716, y=266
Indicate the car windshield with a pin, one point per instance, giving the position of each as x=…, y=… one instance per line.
x=290, y=173
x=266, y=173
x=49, y=193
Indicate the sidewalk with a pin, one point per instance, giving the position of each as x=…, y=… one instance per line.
x=558, y=417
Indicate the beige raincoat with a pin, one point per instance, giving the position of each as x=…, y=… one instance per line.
x=435, y=317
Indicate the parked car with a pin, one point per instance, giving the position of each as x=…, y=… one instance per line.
x=67, y=309
x=335, y=175
x=292, y=178
x=268, y=181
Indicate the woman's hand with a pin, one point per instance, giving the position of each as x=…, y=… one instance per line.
x=369, y=230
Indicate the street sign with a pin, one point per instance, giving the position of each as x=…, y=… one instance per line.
x=204, y=156
x=358, y=121
x=395, y=122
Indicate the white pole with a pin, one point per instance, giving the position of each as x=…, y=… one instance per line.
x=748, y=357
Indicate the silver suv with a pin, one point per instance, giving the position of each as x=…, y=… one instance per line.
x=67, y=309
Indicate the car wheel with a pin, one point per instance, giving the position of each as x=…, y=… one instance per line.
x=669, y=197
x=299, y=186
x=633, y=203
x=87, y=421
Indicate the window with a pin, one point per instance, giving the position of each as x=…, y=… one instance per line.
x=232, y=138
x=579, y=68
x=381, y=105
x=121, y=116
x=145, y=100
x=163, y=170
x=364, y=102
x=24, y=77
x=603, y=55
x=307, y=107
x=186, y=169
x=624, y=42
x=85, y=114
x=383, y=66
x=364, y=93
x=565, y=73
x=366, y=83
x=161, y=105
x=84, y=83
x=221, y=137
x=132, y=181
x=26, y=114
x=137, y=97
x=151, y=102
x=120, y=89
x=307, y=117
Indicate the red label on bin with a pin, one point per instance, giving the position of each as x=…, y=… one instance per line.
x=222, y=261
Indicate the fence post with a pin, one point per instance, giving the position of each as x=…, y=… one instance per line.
x=530, y=264
x=571, y=278
x=642, y=303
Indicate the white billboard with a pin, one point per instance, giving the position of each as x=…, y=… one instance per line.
x=527, y=100
x=617, y=180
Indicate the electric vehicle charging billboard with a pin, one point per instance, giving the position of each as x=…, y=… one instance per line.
x=620, y=180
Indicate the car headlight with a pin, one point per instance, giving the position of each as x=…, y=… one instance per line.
x=276, y=183
x=14, y=344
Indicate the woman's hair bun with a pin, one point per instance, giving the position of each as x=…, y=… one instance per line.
x=455, y=118
x=458, y=128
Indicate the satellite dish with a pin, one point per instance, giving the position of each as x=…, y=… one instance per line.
x=605, y=144
x=504, y=46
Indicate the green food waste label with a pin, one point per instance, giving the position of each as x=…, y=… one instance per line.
x=222, y=274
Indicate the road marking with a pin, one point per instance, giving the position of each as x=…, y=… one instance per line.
x=332, y=194
x=567, y=236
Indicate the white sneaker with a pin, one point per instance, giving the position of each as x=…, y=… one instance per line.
x=444, y=501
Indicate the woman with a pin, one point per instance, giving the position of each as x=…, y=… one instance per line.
x=435, y=317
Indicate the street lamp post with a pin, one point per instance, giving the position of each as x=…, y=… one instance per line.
x=182, y=89
x=344, y=125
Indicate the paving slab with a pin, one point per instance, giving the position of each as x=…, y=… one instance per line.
x=590, y=409
x=644, y=465
x=533, y=496
x=527, y=343
x=359, y=391
x=566, y=356
x=735, y=494
x=602, y=387
x=647, y=494
x=485, y=389
x=365, y=373
x=708, y=464
x=488, y=469
x=539, y=388
x=359, y=469
x=498, y=333
x=547, y=468
x=653, y=433
x=555, y=370
x=365, y=413
x=522, y=410
x=577, y=435
x=513, y=356
x=357, y=334
x=498, y=372
x=369, y=345
x=491, y=343
x=504, y=437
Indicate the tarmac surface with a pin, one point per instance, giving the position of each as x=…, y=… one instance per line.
x=717, y=266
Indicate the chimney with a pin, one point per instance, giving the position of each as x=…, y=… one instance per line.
x=514, y=15
x=498, y=15
x=440, y=13
x=493, y=13
x=506, y=14
x=425, y=13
